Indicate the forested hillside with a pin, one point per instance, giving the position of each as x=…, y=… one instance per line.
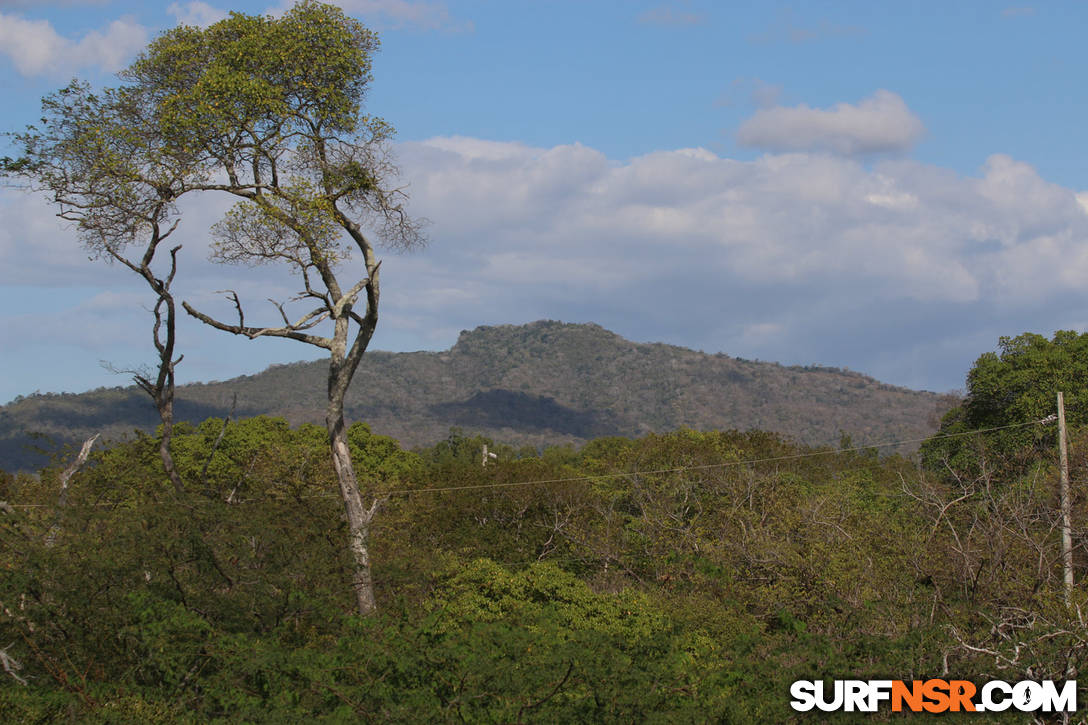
x=536, y=384
x=686, y=577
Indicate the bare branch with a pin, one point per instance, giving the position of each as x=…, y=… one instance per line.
x=283, y=315
x=11, y=665
x=62, y=499
x=73, y=467
x=349, y=297
x=255, y=332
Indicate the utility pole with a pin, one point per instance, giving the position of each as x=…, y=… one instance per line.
x=486, y=456
x=1067, y=538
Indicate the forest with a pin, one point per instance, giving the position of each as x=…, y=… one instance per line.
x=679, y=577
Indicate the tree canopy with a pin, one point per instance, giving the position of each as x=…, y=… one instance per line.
x=1015, y=386
x=270, y=110
x=631, y=580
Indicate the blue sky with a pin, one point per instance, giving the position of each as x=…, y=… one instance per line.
x=887, y=187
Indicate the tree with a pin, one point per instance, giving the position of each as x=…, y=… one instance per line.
x=268, y=111
x=110, y=174
x=1014, y=386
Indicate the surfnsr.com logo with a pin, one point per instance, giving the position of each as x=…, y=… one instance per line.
x=933, y=696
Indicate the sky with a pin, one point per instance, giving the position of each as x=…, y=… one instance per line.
x=886, y=187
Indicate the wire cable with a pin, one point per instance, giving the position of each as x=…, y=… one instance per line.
x=680, y=469
x=662, y=471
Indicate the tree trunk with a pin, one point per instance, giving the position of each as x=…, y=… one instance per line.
x=161, y=389
x=166, y=412
x=358, y=515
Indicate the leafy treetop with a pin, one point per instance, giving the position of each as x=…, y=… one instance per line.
x=1017, y=384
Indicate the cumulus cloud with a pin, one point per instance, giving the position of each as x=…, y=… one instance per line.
x=38, y=249
x=36, y=48
x=900, y=269
x=97, y=323
x=34, y=245
x=197, y=13
x=776, y=256
x=906, y=229
x=881, y=123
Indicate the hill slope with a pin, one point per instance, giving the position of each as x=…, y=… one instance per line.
x=545, y=382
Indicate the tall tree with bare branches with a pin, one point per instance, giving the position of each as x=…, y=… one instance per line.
x=270, y=108
x=268, y=111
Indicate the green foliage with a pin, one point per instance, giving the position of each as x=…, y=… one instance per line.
x=380, y=460
x=265, y=231
x=483, y=591
x=113, y=180
x=274, y=104
x=667, y=578
x=460, y=449
x=1017, y=385
x=687, y=576
x=256, y=73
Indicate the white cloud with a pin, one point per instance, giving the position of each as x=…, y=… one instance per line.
x=898, y=269
x=796, y=257
x=765, y=95
x=36, y=48
x=98, y=323
x=904, y=229
x=197, y=13
x=1082, y=199
x=407, y=13
x=34, y=246
x=753, y=91
x=879, y=124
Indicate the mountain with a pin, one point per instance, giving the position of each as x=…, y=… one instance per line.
x=541, y=383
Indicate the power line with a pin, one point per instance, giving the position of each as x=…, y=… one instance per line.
x=681, y=469
x=662, y=471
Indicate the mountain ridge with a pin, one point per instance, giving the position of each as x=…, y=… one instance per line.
x=545, y=382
